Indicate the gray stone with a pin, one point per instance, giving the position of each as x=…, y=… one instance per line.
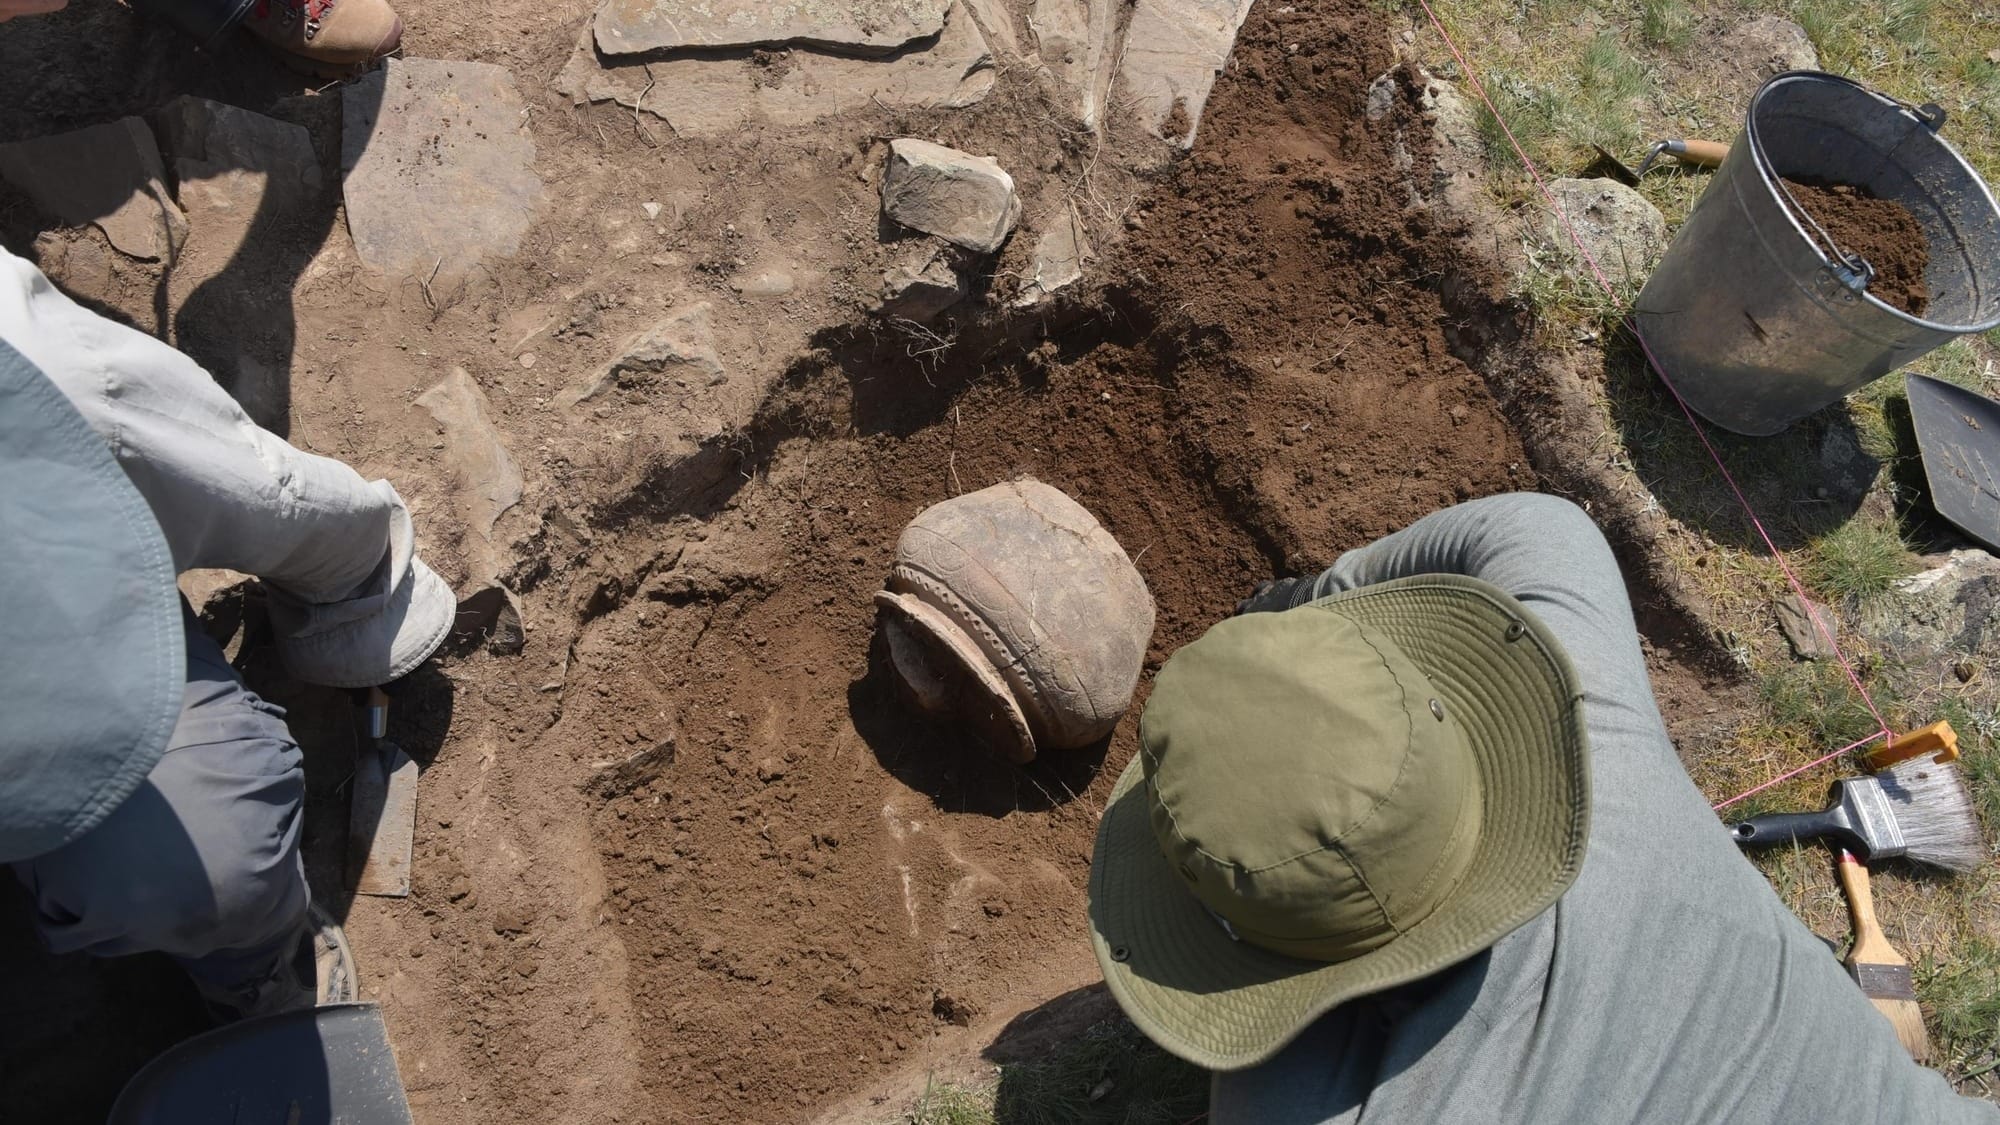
x=1622, y=230
x=108, y=175
x=711, y=97
x=679, y=348
x=874, y=27
x=1059, y=257
x=1795, y=620
x=439, y=166
x=488, y=479
x=1943, y=625
x=233, y=167
x=920, y=291
x=764, y=283
x=1172, y=52
x=1076, y=48
x=997, y=21
x=961, y=198
x=1847, y=469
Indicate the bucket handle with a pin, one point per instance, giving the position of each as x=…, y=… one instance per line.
x=1850, y=272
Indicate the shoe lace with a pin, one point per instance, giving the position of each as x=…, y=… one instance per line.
x=287, y=12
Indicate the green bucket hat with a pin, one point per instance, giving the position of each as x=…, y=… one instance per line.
x=1331, y=801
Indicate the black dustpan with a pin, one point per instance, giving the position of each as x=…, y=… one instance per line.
x=1958, y=434
x=330, y=1065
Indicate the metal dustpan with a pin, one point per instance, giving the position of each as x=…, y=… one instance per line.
x=1958, y=434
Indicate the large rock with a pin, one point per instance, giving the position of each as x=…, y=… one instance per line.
x=920, y=290
x=1622, y=230
x=961, y=198
x=711, y=97
x=1942, y=626
x=108, y=175
x=233, y=167
x=439, y=166
x=874, y=27
x=1172, y=52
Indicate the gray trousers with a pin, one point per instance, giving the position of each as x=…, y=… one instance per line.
x=202, y=863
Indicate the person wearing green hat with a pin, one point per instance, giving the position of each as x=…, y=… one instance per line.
x=149, y=801
x=1408, y=841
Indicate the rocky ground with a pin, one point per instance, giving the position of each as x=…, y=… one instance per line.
x=665, y=328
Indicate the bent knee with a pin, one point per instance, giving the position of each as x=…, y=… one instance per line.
x=1548, y=520
x=203, y=857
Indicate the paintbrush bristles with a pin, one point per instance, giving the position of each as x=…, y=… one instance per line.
x=1936, y=814
x=1908, y=1020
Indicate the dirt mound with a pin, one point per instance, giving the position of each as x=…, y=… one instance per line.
x=1880, y=230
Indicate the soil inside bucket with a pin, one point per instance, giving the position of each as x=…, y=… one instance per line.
x=1880, y=230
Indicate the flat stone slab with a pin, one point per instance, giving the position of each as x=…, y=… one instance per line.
x=439, y=166
x=875, y=27
x=709, y=97
x=108, y=175
x=1059, y=257
x=1173, y=50
x=1075, y=44
x=964, y=199
x=232, y=164
x=489, y=479
x=1800, y=621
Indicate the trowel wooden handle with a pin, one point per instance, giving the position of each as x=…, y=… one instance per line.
x=1708, y=154
x=1871, y=945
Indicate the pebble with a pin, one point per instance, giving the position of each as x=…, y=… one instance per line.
x=527, y=359
x=652, y=211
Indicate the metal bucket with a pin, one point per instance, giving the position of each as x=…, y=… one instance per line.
x=1754, y=321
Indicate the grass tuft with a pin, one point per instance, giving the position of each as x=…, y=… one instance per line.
x=1815, y=703
x=1961, y=992
x=1665, y=25
x=1858, y=560
x=949, y=1104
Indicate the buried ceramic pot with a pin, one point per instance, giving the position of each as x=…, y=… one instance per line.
x=1011, y=608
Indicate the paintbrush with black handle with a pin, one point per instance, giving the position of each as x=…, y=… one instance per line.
x=1919, y=810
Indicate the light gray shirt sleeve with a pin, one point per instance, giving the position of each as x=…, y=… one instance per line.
x=1669, y=984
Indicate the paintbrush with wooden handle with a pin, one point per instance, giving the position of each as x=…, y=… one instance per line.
x=1882, y=973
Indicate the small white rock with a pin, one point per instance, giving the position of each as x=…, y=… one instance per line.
x=527, y=359
x=652, y=211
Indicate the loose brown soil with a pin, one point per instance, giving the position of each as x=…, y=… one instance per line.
x=1880, y=230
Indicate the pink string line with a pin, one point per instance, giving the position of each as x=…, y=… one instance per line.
x=1790, y=774
x=1729, y=478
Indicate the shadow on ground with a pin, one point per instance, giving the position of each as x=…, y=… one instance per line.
x=944, y=761
x=1802, y=482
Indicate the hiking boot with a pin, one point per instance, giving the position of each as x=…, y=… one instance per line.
x=329, y=38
